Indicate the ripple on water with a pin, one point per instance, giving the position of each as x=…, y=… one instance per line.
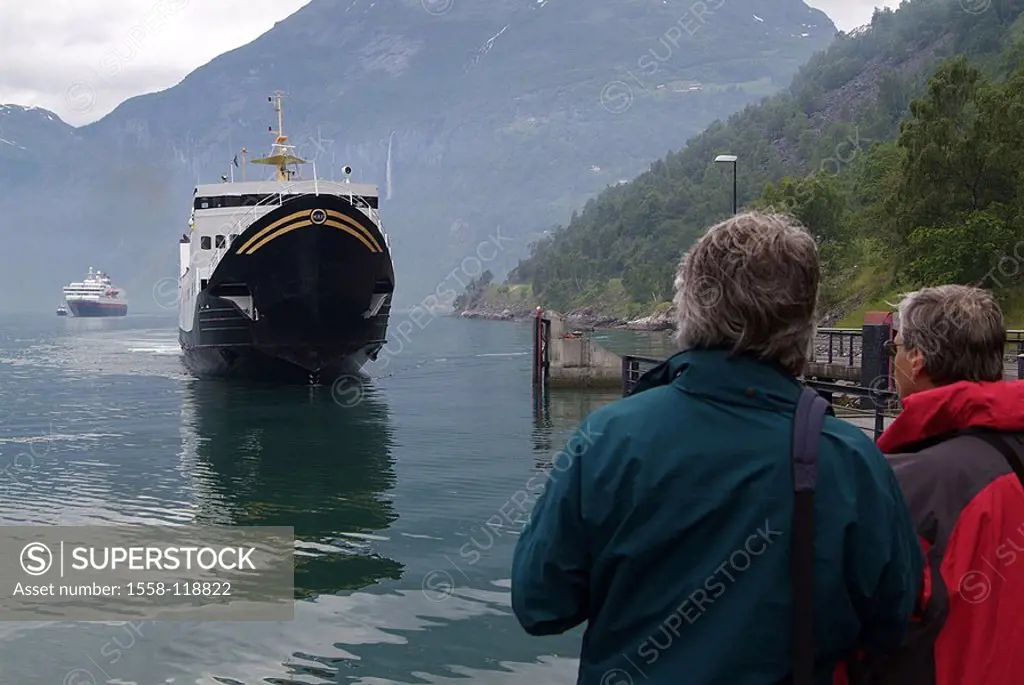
x=381, y=496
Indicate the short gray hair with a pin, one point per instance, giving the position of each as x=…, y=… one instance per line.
x=959, y=330
x=751, y=283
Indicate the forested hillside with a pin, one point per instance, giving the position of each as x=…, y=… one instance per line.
x=900, y=147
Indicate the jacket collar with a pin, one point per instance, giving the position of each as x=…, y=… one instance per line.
x=722, y=375
x=929, y=415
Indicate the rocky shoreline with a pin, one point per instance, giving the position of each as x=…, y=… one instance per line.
x=583, y=318
x=591, y=319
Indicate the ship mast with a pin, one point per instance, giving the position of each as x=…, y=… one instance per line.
x=276, y=99
x=281, y=154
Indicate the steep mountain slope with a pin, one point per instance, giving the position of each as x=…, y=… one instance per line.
x=497, y=115
x=30, y=139
x=626, y=241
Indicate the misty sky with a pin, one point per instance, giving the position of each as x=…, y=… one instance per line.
x=81, y=58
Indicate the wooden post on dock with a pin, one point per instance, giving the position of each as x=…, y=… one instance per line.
x=538, y=348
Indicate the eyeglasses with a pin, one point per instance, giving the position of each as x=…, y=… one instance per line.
x=892, y=347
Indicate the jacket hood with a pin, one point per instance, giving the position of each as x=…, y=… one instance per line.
x=953, y=408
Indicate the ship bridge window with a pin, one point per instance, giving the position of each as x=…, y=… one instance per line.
x=220, y=201
x=364, y=202
x=204, y=242
x=220, y=241
x=232, y=238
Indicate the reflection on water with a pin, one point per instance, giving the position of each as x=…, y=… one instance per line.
x=268, y=456
x=647, y=344
x=101, y=425
x=557, y=411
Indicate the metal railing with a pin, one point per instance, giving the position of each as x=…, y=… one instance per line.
x=265, y=202
x=873, y=395
x=848, y=340
x=843, y=345
x=633, y=367
x=881, y=400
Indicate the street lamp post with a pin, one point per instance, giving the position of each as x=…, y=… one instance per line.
x=730, y=159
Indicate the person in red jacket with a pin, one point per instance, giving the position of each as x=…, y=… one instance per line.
x=956, y=449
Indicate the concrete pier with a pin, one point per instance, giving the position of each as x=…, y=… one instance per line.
x=573, y=360
x=563, y=358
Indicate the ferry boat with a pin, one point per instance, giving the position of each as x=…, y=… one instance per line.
x=285, y=279
x=94, y=296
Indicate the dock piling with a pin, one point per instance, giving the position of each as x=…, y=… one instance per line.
x=540, y=348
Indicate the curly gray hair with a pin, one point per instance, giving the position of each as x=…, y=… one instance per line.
x=751, y=283
x=959, y=330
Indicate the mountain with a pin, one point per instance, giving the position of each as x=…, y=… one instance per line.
x=888, y=215
x=501, y=115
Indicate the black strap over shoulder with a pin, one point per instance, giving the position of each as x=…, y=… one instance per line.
x=810, y=417
x=1001, y=443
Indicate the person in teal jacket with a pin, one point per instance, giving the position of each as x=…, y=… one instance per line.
x=664, y=525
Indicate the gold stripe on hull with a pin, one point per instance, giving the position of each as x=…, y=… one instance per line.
x=267, y=229
x=304, y=224
x=286, y=225
x=356, y=225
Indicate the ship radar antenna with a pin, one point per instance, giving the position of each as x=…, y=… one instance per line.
x=281, y=154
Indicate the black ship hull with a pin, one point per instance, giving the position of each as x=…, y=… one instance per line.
x=292, y=299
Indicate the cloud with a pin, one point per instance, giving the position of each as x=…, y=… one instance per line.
x=119, y=48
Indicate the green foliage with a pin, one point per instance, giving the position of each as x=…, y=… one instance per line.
x=959, y=151
x=939, y=202
x=474, y=293
x=961, y=252
x=962, y=181
x=818, y=201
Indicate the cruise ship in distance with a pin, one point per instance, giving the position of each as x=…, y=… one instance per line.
x=95, y=296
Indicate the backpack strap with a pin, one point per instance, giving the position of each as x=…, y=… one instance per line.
x=1002, y=444
x=809, y=419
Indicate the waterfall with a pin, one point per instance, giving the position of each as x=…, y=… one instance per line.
x=388, y=177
